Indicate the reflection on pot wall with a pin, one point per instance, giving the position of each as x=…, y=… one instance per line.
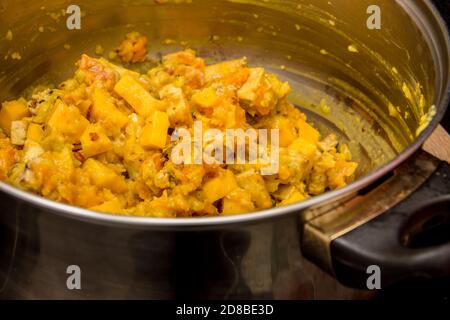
x=260, y=261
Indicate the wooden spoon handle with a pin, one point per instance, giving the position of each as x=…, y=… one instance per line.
x=438, y=144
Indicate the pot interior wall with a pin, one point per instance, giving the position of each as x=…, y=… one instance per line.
x=379, y=85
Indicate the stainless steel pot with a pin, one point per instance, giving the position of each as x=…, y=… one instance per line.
x=388, y=89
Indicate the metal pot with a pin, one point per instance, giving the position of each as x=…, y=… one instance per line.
x=387, y=89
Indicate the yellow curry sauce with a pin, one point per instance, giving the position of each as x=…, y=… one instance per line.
x=101, y=140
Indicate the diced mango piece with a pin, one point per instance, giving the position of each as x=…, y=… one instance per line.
x=307, y=132
x=140, y=99
x=35, y=132
x=223, y=69
x=304, y=146
x=105, y=109
x=94, y=141
x=104, y=177
x=231, y=207
x=293, y=196
x=286, y=130
x=220, y=186
x=205, y=98
x=84, y=106
x=238, y=201
x=154, y=134
x=68, y=120
x=112, y=206
x=64, y=161
x=12, y=111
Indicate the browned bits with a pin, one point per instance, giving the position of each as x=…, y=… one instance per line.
x=94, y=136
x=79, y=156
x=76, y=147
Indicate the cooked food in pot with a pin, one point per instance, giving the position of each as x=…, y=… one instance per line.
x=104, y=139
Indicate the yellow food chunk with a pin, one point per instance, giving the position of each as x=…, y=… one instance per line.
x=140, y=99
x=32, y=150
x=224, y=69
x=68, y=121
x=121, y=71
x=100, y=140
x=286, y=130
x=238, y=201
x=305, y=147
x=105, y=109
x=94, y=141
x=64, y=161
x=261, y=92
x=104, y=177
x=35, y=132
x=220, y=186
x=112, y=206
x=7, y=157
x=337, y=177
x=255, y=186
x=84, y=106
x=9, y=35
x=249, y=91
x=18, y=132
x=307, y=132
x=292, y=196
x=154, y=134
x=205, y=98
x=12, y=111
x=178, y=110
x=133, y=48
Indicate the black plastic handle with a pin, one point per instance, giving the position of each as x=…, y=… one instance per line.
x=411, y=240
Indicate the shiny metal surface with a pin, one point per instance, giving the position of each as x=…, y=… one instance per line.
x=262, y=261
x=359, y=86
x=247, y=256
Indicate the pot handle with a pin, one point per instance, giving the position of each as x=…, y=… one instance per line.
x=410, y=240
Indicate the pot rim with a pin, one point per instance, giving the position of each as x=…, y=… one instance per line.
x=86, y=215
